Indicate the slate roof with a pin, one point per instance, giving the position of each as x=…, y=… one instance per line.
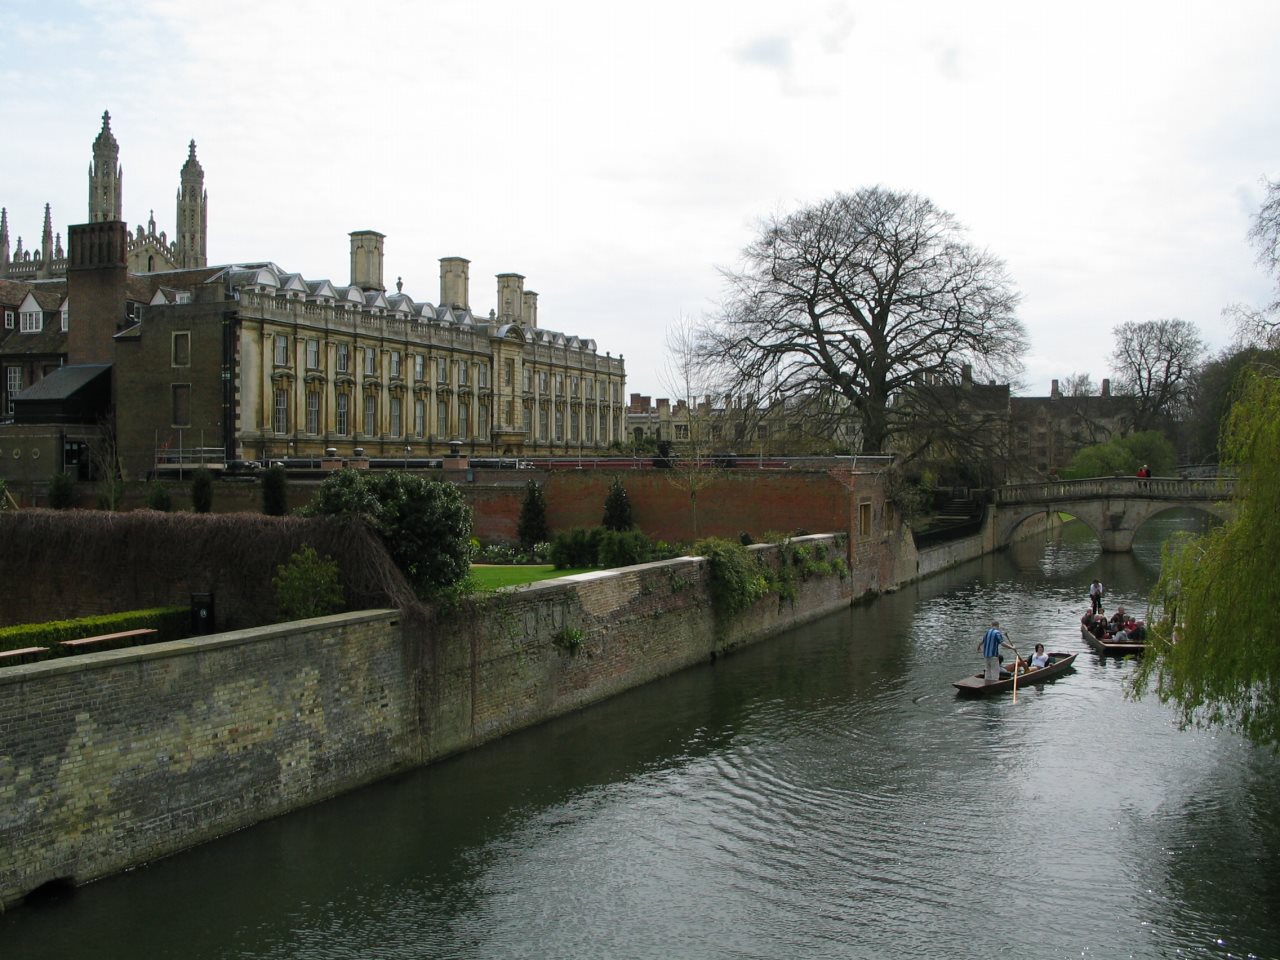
x=63, y=382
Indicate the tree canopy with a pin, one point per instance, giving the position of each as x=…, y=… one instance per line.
x=424, y=524
x=1155, y=362
x=1124, y=455
x=1214, y=651
x=865, y=296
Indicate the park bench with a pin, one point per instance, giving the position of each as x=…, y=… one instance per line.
x=107, y=641
x=11, y=658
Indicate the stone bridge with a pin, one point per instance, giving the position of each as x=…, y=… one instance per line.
x=1113, y=507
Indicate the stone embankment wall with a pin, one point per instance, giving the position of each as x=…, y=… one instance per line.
x=113, y=759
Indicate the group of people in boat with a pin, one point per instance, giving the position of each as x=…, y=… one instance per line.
x=1120, y=627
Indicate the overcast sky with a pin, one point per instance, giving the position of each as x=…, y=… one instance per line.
x=1111, y=153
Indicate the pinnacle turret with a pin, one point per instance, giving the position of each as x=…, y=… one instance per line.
x=106, y=178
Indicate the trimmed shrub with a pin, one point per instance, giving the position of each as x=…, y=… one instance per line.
x=623, y=548
x=575, y=548
x=173, y=623
x=202, y=490
x=158, y=497
x=62, y=491
x=307, y=586
x=275, y=491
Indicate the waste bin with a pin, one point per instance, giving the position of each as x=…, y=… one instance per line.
x=201, y=614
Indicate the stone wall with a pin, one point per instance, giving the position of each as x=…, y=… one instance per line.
x=113, y=759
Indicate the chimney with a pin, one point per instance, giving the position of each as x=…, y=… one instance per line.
x=97, y=270
x=455, y=282
x=1106, y=386
x=1054, y=392
x=510, y=298
x=366, y=260
x=530, y=308
x=966, y=373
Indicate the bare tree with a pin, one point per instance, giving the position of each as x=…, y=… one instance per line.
x=1260, y=326
x=863, y=295
x=689, y=379
x=1155, y=362
x=1079, y=385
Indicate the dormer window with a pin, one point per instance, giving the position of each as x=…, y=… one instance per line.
x=31, y=321
x=64, y=316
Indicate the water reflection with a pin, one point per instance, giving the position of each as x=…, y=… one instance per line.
x=823, y=795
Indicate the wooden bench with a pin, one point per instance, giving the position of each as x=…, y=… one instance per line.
x=11, y=658
x=107, y=641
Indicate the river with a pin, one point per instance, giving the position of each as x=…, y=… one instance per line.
x=822, y=795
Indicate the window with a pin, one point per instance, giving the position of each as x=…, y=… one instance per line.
x=395, y=363
x=543, y=381
x=528, y=380
x=864, y=519
x=559, y=384
x=282, y=350
x=344, y=361
x=482, y=422
x=589, y=425
x=509, y=373
x=13, y=386
x=573, y=429
x=419, y=367
x=370, y=414
x=464, y=420
x=280, y=418
x=542, y=424
x=573, y=392
x=8, y=319
x=591, y=388
x=442, y=370
x=313, y=411
x=528, y=420
x=419, y=418
x=313, y=356
x=65, y=317
x=31, y=321
x=370, y=362
x=482, y=375
x=395, y=416
x=181, y=394
x=682, y=431
x=442, y=418
x=182, y=349
x=559, y=424
x=342, y=415
x=462, y=373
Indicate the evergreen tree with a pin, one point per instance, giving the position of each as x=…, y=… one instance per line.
x=202, y=490
x=532, y=527
x=1213, y=648
x=275, y=491
x=62, y=491
x=617, y=507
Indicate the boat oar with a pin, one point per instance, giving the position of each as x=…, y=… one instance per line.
x=1016, y=660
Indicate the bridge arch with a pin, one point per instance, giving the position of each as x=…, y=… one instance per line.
x=1114, y=508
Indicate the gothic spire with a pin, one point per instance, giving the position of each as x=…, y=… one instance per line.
x=4, y=236
x=106, y=178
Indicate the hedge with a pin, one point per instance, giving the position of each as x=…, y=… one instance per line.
x=173, y=623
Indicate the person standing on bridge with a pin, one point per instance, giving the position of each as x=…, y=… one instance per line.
x=1144, y=472
x=1095, y=595
x=990, y=646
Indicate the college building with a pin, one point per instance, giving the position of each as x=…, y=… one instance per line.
x=249, y=361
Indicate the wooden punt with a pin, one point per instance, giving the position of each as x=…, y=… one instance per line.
x=1109, y=648
x=977, y=685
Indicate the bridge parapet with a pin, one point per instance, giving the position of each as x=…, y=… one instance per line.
x=1107, y=488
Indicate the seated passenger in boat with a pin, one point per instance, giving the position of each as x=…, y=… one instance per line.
x=1099, y=627
x=1119, y=618
x=1087, y=620
x=1139, y=632
x=1039, y=659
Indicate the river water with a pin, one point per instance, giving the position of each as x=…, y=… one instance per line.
x=823, y=795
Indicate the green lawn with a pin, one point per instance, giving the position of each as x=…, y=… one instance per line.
x=492, y=577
